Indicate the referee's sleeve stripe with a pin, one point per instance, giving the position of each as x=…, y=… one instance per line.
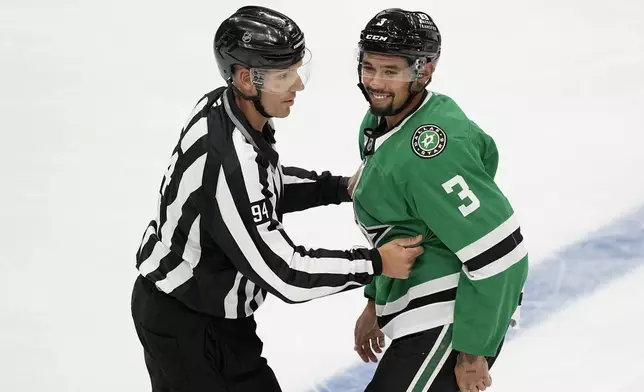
x=239, y=232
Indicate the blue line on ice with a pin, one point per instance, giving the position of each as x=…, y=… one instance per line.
x=576, y=271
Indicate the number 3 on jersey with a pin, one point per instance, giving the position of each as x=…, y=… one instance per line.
x=464, y=194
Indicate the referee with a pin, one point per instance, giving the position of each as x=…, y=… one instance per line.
x=217, y=246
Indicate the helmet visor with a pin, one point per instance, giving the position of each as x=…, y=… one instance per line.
x=281, y=80
x=389, y=67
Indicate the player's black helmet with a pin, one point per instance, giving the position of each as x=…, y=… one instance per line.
x=409, y=34
x=261, y=39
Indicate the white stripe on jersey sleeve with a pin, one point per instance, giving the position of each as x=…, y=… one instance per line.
x=420, y=319
x=499, y=265
x=489, y=240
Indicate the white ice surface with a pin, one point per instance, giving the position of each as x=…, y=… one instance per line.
x=592, y=346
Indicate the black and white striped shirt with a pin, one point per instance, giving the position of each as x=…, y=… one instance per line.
x=218, y=244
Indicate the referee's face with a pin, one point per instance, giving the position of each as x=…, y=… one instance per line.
x=276, y=88
x=279, y=90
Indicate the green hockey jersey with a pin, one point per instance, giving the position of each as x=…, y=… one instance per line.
x=433, y=174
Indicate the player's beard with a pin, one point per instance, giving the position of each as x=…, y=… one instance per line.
x=383, y=110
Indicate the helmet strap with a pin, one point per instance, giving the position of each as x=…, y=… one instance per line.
x=258, y=105
x=413, y=91
x=256, y=99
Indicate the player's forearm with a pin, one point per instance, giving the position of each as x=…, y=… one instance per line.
x=484, y=309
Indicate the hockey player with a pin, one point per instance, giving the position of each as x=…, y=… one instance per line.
x=428, y=168
x=217, y=246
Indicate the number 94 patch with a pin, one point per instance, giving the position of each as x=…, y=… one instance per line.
x=261, y=211
x=428, y=141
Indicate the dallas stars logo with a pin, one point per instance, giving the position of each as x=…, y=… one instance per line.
x=428, y=141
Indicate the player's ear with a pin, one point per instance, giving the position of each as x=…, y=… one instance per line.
x=427, y=71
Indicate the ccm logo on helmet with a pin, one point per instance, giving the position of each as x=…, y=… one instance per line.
x=376, y=37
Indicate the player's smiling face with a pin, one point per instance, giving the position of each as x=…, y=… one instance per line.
x=386, y=79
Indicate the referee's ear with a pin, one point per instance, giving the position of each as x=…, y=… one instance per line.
x=242, y=80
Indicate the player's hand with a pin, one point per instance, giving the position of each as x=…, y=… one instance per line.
x=368, y=338
x=472, y=373
x=399, y=256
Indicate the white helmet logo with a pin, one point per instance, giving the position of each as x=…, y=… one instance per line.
x=246, y=37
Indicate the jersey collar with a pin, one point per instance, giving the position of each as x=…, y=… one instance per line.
x=262, y=141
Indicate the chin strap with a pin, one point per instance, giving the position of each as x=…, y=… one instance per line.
x=256, y=99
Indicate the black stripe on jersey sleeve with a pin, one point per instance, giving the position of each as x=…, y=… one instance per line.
x=496, y=252
x=441, y=296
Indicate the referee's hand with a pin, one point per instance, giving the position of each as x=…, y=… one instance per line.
x=399, y=256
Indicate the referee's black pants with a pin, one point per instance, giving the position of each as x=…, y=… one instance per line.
x=186, y=351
